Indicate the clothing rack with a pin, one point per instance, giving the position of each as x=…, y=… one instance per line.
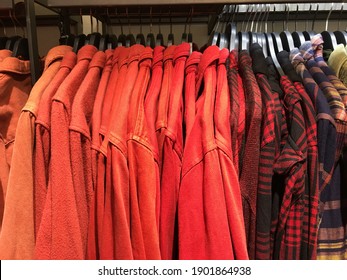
x=112, y=12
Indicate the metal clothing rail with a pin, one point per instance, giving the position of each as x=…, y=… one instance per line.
x=164, y=11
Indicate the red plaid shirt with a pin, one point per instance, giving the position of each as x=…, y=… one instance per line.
x=310, y=228
x=266, y=166
x=292, y=163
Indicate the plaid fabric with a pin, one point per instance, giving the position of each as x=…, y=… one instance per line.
x=234, y=88
x=310, y=228
x=332, y=95
x=266, y=166
x=331, y=236
x=326, y=125
x=250, y=167
x=317, y=46
x=292, y=164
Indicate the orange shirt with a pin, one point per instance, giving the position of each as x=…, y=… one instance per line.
x=60, y=235
x=17, y=239
x=15, y=86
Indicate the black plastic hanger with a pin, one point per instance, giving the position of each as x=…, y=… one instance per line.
x=130, y=38
x=67, y=40
x=170, y=37
x=103, y=42
x=231, y=30
x=272, y=52
x=286, y=36
x=112, y=41
x=79, y=41
x=3, y=41
x=11, y=41
x=159, y=41
x=329, y=38
x=190, y=34
x=223, y=41
x=150, y=39
x=94, y=39
x=140, y=38
x=341, y=37
x=298, y=36
x=21, y=49
x=287, y=40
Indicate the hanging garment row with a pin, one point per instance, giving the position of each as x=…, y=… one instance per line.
x=164, y=153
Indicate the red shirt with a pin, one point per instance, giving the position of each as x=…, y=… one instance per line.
x=208, y=191
x=80, y=143
x=143, y=169
x=190, y=90
x=60, y=234
x=42, y=154
x=172, y=151
x=97, y=209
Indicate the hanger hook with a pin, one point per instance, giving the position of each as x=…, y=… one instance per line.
x=151, y=23
x=287, y=18
x=159, y=21
x=267, y=17
x=250, y=16
x=3, y=25
x=127, y=15
x=273, y=21
x=91, y=21
x=120, y=22
x=243, y=21
x=263, y=16
x=327, y=20
x=339, y=21
x=191, y=18
x=315, y=17
x=140, y=17
x=236, y=11
x=170, y=19
x=14, y=24
x=17, y=21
